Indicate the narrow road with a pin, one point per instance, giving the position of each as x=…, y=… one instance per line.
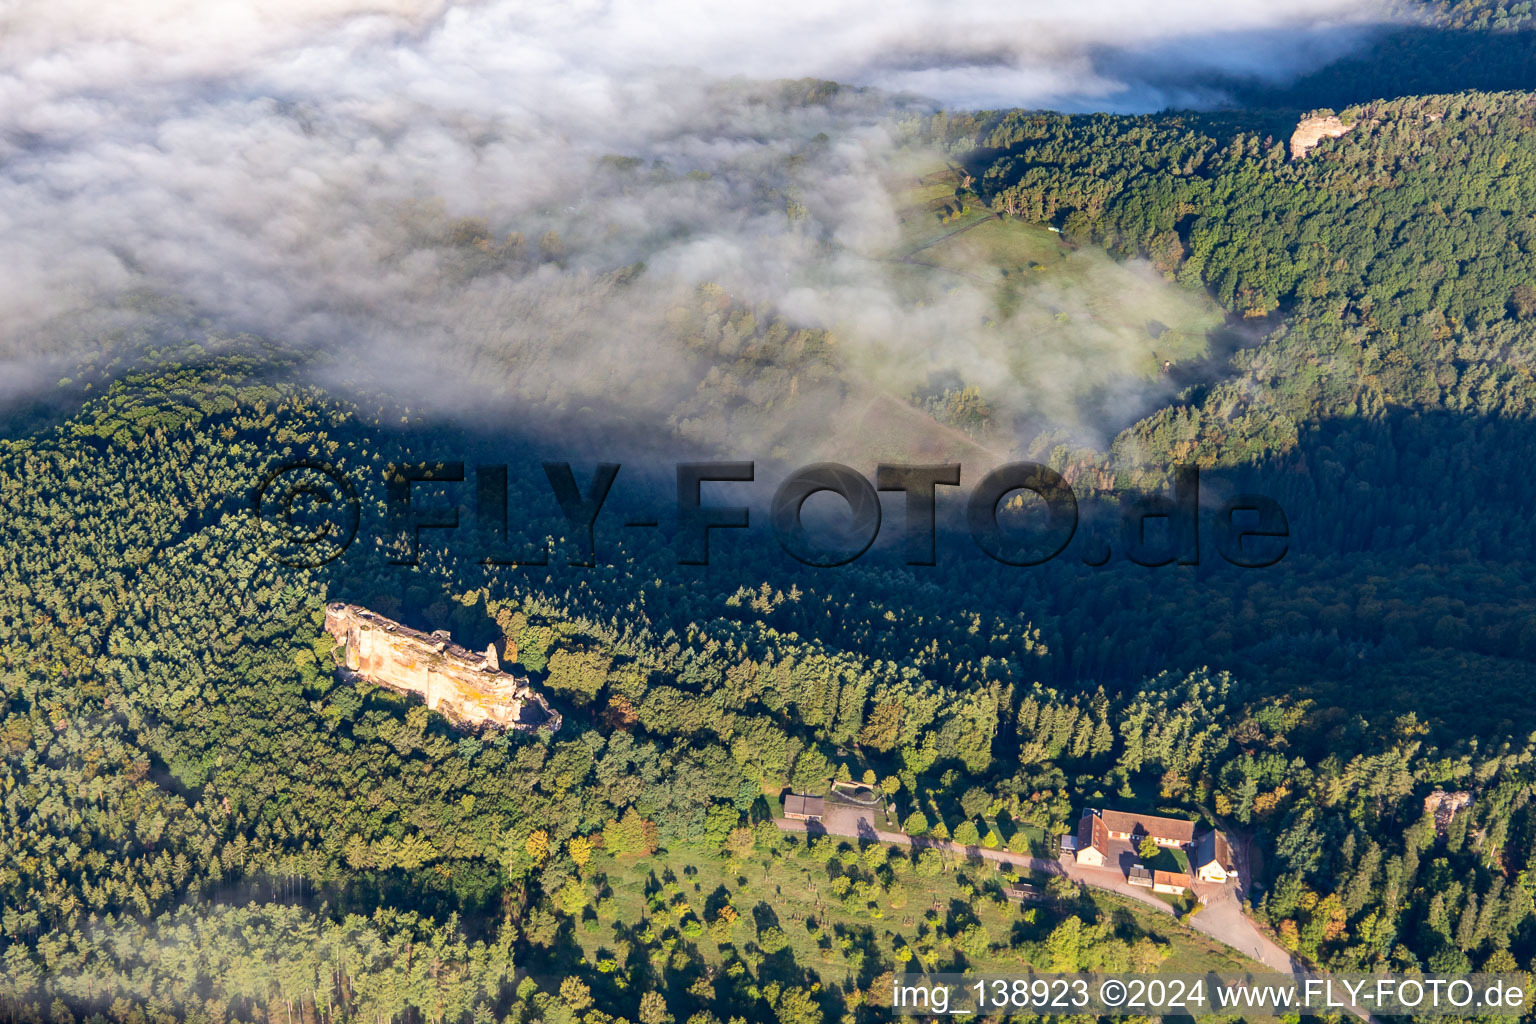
x=1222, y=917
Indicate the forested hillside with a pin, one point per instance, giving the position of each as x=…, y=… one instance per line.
x=1395, y=265
x=204, y=820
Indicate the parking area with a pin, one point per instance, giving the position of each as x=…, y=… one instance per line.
x=850, y=820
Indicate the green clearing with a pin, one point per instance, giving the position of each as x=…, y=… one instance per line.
x=1181, y=904
x=1064, y=297
x=674, y=900
x=1025, y=838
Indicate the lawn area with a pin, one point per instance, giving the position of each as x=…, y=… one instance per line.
x=922, y=205
x=1170, y=860
x=1180, y=904
x=681, y=894
x=1038, y=843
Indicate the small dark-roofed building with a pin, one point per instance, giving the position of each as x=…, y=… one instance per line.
x=1141, y=875
x=799, y=807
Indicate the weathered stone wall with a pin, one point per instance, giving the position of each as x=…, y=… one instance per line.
x=467, y=687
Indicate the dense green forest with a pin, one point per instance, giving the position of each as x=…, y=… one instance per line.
x=187, y=777
x=204, y=821
x=1400, y=257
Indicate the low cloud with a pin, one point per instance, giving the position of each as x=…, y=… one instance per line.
x=446, y=198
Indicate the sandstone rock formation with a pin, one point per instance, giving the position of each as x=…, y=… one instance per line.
x=1444, y=806
x=466, y=687
x=1313, y=130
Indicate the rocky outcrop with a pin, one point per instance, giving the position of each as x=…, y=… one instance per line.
x=1444, y=806
x=1313, y=130
x=466, y=687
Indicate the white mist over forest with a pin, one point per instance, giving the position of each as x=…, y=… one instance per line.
x=308, y=172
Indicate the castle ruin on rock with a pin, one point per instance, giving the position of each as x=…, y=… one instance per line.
x=464, y=686
x=1312, y=130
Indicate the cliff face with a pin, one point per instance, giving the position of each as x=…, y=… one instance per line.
x=1313, y=130
x=467, y=687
